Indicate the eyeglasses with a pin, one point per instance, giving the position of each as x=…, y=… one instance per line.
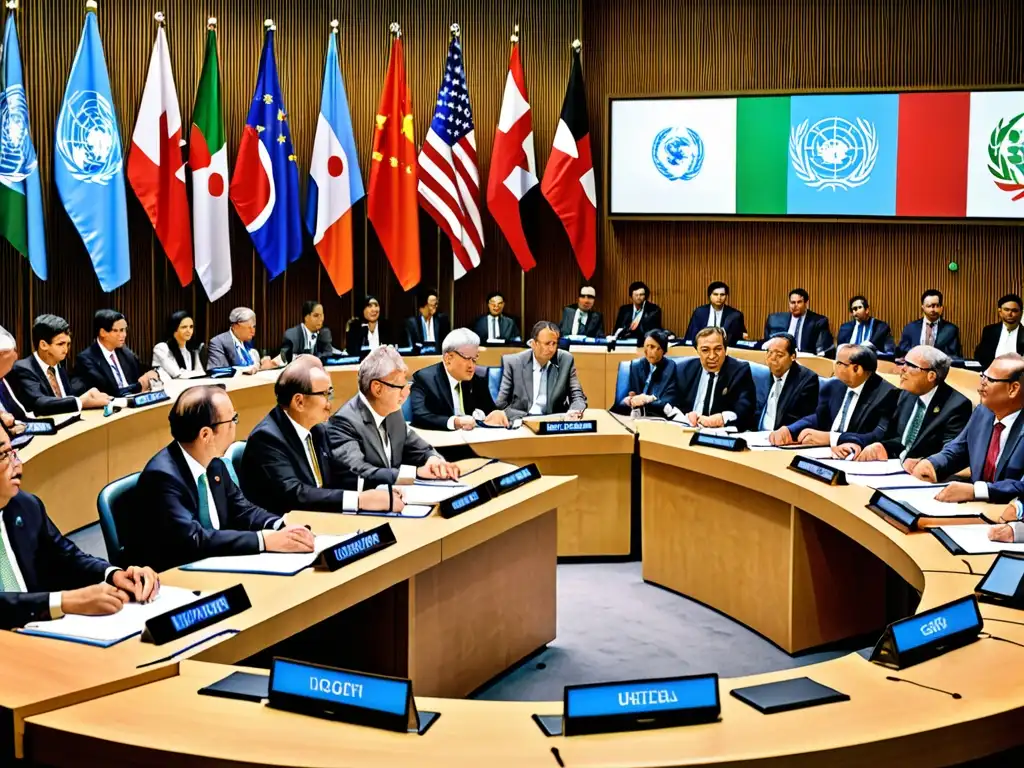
x=474, y=359
x=328, y=393
x=232, y=420
x=407, y=385
x=908, y=364
x=990, y=380
x=8, y=456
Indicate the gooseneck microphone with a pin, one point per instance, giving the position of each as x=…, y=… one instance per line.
x=921, y=685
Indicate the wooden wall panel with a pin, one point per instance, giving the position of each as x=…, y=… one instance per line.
x=643, y=46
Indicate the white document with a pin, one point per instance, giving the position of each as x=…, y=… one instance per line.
x=923, y=500
x=757, y=440
x=973, y=539
x=428, y=494
x=888, y=467
x=416, y=510
x=493, y=435
x=273, y=563
x=130, y=620
x=817, y=452
x=880, y=482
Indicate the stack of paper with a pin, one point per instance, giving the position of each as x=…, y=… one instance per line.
x=270, y=563
x=107, y=630
x=889, y=467
x=923, y=501
x=429, y=494
x=973, y=539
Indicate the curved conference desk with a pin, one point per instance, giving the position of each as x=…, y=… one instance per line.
x=797, y=560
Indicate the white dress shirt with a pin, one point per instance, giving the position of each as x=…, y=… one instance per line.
x=1007, y=340
x=579, y=321
x=540, y=389
x=252, y=354
x=771, y=407
x=428, y=328
x=406, y=472
x=309, y=339
x=373, y=337
x=350, y=502
x=702, y=389
x=796, y=322
x=981, y=487
x=837, y=427
x=112, y=361
x=56, y=375
x=453, y=385
x=715, y=316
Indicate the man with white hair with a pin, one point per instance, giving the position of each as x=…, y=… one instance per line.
x=234, y=347
x=10, y=409
x=368, y=436
x=453, y=394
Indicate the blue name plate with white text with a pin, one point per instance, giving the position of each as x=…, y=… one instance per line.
x=513, y=480
x=929, y=634
x=197, y=615
x=723, y=442
x=464, y=502
x=358, y=547
x=822, y=472
x=584, y=427
x=147, y=398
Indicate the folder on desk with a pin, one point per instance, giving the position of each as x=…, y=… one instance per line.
x=268, y=563
x=105, y=631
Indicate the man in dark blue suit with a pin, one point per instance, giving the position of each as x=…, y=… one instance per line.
x=109, y=365
x=810, y=329
x=652, y=379
x=794, y=388
x=185, y=505
x=865, y=329
x=428, y=327
x=856, y=400
x=717, y=312
x=44, y=575
x=716, y=390
x=931, y=330
x=989, y=445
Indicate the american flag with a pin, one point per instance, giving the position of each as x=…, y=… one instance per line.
x=449, y=180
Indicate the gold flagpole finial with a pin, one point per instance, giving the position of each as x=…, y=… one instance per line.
x=90, y=5
x=160, y=18
x=269, y=25
x=396, y=29
x=456, y=30
x=577, y=45
x=515, y=34
x=211, y=23
x=334, y=26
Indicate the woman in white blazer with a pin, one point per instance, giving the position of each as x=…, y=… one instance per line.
x=174, y=358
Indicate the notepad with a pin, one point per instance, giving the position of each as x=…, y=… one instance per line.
x=850, y=467
x=922, y=500
x=429, y=494
x=886, y=482
x=105, y=631
x=972, y=540
x=269, y=563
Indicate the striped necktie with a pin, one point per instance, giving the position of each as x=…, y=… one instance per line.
x=8, y=581
x=313, y=461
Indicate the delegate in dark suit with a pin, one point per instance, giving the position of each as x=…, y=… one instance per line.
x=92, y=369
x=357, y=449
x=946, y=416
x=814, y=337
x=33, y=389
x=48, y=561
x=8, y=401
x=415, y=329
x=662, y=386
x=507, y=328
x=357, y=336
x=275, y=469
x=947, y=338
x=650, y=320
x=877, y=332
x=985, y=352
x=433, y=402
x=592, y=328
x=734, y=390
x=160, y=518
x=799, y=397
x=731, y=320
x=875, y=407
x=294, y=343
x=969, y=449
x=516, y=397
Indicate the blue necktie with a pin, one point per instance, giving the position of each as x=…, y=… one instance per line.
x=846, y=407
x=241, y=356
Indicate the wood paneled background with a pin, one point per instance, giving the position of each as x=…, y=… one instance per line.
x=635, y=47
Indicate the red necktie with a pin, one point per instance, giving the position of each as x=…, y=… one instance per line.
x=988, y=473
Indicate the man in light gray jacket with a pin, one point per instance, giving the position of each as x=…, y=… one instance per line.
x=234, y=347
x=542, y=380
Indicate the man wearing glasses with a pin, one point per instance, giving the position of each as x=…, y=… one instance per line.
x=581, y=319
x=368, y=435
x=186, y=506
x=990, y=444
x=929, y=413
x=286, y=463
x=453, y=394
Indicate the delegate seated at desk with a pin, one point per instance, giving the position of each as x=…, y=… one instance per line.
x=174, y=357
x=1004, y=336
x=185, y=506
x=370, y=332
x=989, y=445
x=234, y=347
x=309, y=337
x=638, y=317
x=541, y=380
x=652, y=379
x=931, y=330
x=495, y=326
x=810, y=329
x=453, y=394
x=11, y=413
x=108, y=365
x=717, y=313
x=857, y=400
x=286, y=463
x=865, y=329
x=581, y=319
x=368, y=435
x=717, y=392
x=428, y=326
x=929, y=413
x=44, y=575
x=1011, y=529
x=794, y=389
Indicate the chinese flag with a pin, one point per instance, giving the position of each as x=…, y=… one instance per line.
x=392, y=204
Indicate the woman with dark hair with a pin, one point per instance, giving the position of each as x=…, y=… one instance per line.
x=175, y=357
x=370, y=331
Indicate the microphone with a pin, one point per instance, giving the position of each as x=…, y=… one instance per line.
x=615, y=338
x=920, y=685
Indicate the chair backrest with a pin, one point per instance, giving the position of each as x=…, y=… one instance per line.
x=622, y=382
x=108, y=505
x=407, y=410
x=233, y=460
x=762, y=386
x=494, y=380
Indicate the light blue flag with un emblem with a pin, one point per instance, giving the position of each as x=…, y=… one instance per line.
x=88, y=161
x=842, y=154
x=21, y=201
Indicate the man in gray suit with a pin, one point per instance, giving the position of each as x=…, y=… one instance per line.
x=234, y=347
x=542, y=380
x=368, y=436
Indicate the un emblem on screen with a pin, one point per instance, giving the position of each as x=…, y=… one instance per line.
x=17, y=157
x=833, y=153
x=678, y=153
x=87, y=138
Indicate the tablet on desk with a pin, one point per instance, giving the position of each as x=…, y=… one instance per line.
x=787, y=695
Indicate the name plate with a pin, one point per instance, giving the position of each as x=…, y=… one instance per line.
x=357, y=547
x=428, y=348
x=582, y=427
x=346, y=360
x=640, y=704
x=1004, y=582
x=221, y=373
x=893, y=512
x=195, y=616
x=929, y=634
x=821, y=472
x=722, y=442
x=464, y=502
x=147, y=398
x=351, y=697
x=516, y=479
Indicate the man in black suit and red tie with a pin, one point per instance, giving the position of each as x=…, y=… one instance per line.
x=109, y=365
x=1004, y=336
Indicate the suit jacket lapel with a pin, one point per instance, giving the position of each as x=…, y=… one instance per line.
x=787, y=393
x=867, y=398
x=934, y=410
x=215, y=479
x=104, y=365
x=291, y=437
x=184, y=473
x=371, y=427
x=552, y=382
x=23, y=549
x=396, y=429
x=1011, y=443
x=691, y=380
x=527, y=374
x=446, y=392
